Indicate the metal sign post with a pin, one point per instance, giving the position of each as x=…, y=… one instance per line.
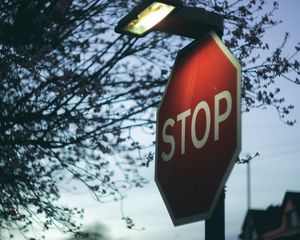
x=215, y=225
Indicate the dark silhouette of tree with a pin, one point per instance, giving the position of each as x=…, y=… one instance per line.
x=73, y=92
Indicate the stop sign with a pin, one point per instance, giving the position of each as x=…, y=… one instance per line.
x=198, y=129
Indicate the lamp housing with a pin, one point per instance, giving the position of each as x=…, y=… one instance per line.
x=145, y=16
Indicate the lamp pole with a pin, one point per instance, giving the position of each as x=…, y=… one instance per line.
x=248, y=185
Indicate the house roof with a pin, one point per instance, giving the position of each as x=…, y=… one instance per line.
x=264, y=220
x=270, y=218
x=295, y=198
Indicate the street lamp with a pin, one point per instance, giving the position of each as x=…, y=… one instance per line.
x=169, y=16
x=172, y=17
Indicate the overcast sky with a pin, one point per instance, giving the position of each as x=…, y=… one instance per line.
x=273, y=173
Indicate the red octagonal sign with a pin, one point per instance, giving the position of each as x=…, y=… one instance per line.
x=198, y=129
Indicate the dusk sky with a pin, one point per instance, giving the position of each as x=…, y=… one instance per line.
x=274, y=172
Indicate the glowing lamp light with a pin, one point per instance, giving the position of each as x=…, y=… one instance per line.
x=148, y=18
